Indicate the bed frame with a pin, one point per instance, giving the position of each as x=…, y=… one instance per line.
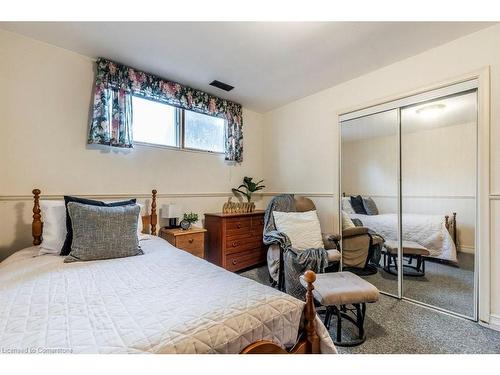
x=308, y=342
x=150, y=220
x=450, y=223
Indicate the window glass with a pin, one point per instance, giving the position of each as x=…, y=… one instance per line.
x=154, y=122
x=203, y=132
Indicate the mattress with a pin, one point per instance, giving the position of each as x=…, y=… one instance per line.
x=428, y=231
x=165, y=301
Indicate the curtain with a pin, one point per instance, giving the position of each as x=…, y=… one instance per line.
x=111, y=117
x=112, y=111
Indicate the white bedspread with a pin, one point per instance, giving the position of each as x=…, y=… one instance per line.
x=165, y=301
x=427, y=230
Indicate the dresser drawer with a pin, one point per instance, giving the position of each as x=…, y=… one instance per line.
x=258, y=223
x=192, y=243
x=235, y=245
x=244, y=259
x=238, y=225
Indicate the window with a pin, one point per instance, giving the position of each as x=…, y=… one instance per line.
x=203, y=132
x=154, y=122
x=162, y=124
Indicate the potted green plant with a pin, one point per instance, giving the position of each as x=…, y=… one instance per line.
x=188, y=220
x=247, y=188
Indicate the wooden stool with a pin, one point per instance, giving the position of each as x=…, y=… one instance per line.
x=411, y=250
x=337, y=292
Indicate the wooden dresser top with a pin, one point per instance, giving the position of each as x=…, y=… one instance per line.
x=220, y=214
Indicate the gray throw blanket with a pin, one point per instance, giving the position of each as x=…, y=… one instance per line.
x=296, y=262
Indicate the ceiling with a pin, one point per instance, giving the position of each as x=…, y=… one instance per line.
x=455, y=110
x=269, y=63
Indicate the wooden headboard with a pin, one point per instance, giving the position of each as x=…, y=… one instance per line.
x=37, y=224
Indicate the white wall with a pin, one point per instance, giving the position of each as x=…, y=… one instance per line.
x=44, y=114
x=438, y=174
x=301, y=138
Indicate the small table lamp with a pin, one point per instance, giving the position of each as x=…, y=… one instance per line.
x=171, y=212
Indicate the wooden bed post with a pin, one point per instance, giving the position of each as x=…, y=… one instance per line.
x=312, y=339
x=154, y=216
x=36, y=225
x=308, y=339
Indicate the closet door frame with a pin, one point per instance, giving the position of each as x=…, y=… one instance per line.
x=399, y=289
x=482, y=298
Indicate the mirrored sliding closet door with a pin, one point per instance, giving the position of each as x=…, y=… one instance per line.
x=408, y=179
x=438, y=166
x=369, y=185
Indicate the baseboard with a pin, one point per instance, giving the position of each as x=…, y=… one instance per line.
x=466, y=249
x=494, y=322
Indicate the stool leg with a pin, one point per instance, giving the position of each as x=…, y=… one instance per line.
x=360, y=310
x=339, y=325
x=328, y=317
x=419, y=264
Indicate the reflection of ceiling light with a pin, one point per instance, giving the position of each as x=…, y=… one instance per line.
x=430, y=111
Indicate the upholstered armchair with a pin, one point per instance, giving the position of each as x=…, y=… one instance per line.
x=358, y=244
x=275, y=257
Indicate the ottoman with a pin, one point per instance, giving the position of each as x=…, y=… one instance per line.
x=411, y=250
x=345, y=295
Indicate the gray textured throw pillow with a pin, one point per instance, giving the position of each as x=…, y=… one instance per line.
x=370, y=206
x=103, y=232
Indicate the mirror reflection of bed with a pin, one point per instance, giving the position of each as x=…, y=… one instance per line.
x=431, y=146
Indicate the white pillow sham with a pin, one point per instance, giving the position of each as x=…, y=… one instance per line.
x=54, y=226
x=302, y=228
x=346, y=205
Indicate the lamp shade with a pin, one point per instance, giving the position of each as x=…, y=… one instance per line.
x=171, y=211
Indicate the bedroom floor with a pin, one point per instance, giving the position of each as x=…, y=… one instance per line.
x=395, y=326
x=443, y=285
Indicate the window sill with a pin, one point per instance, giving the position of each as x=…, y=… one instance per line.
x=174, y=148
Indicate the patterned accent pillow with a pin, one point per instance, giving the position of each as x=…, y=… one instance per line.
x=101, y=232
x=370, y=206
x=66, y=248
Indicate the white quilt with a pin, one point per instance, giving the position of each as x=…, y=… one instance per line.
x=165, y=301
x=427, y=230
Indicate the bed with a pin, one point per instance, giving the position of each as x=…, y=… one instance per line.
x=153, y=303
x=433, y=232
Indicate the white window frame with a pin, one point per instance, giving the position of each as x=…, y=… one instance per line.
x=180, y=124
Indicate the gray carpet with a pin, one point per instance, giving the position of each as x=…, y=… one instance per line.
x=395, y=326
x=443, y=285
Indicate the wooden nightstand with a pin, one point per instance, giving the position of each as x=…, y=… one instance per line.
x=191, y=240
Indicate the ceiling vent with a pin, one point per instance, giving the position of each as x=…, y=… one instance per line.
x=221, y=85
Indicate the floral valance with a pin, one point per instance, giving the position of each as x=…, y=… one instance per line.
x=116, y=83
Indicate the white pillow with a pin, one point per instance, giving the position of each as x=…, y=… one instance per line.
x=346, y=221
x=54, y=226
x=346, y=205
x=302, y=228
x=139, y=222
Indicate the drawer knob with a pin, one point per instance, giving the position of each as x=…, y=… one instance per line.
x=238, y=225
x=234, y=262
x=191, y=240
x=235, y=243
